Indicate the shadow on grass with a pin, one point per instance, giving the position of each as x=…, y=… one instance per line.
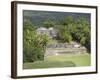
x=70, y=64
x=48, y=64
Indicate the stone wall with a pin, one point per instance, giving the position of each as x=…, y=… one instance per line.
x=64, y=48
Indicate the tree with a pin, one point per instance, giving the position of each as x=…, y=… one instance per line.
x=77, y=30
x=28, y=25
x=64, y=34
x=48, y=23
x=34, y=45
x=68, y=20
x=65, y=31
x=82, y=32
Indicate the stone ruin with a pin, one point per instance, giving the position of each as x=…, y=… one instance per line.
x=60, y=48
x=65, y=48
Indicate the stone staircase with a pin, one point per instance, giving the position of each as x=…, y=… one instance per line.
x=60, y=49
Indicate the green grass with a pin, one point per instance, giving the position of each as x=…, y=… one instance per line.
x=60, y=61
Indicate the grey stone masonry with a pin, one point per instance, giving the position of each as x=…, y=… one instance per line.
x=64, y=48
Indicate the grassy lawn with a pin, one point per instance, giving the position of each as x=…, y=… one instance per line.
x=60, y=61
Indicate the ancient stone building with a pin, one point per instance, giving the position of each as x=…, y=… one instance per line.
x=51, y=32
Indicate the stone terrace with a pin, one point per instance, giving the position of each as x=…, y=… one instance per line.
x=64, y=48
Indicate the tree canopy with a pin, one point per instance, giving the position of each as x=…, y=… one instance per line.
x=48, y=23
x=76, y=30
x=34, y=44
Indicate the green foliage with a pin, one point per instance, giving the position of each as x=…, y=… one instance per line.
x=28, y=25
x=64, y=35
x=48, y=23
x=34, y=44
x=83, y=40
x=78, y=30
x=83, y=32
x=68, y=20
x=66, y=29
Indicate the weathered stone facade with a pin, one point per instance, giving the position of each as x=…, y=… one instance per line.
x=60, y=48
x=64, y=48
x=51, y=32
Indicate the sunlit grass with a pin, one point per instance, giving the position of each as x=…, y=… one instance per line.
x=73, y=60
